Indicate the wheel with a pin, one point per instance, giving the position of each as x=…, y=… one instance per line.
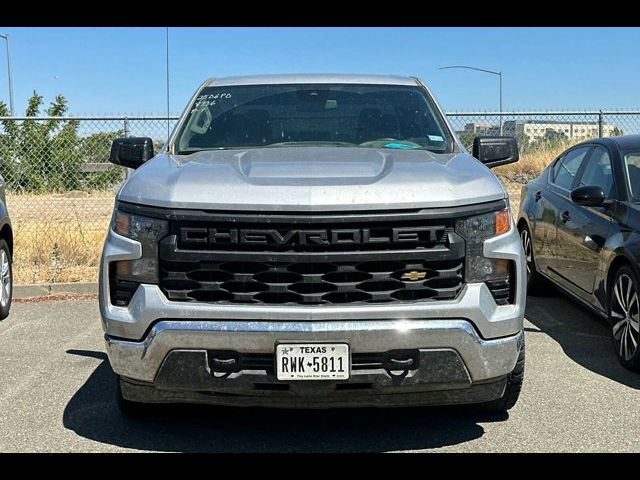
x=512, y=391
x=127, y=407
x=6, y=280
x=624, y=318
x=536, y=285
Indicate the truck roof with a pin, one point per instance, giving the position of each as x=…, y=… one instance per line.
x=314, y=78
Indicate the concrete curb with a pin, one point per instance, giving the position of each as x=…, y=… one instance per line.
x=44, y=289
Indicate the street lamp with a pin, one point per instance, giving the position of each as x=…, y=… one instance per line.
x=486, y=71
x=6, y=37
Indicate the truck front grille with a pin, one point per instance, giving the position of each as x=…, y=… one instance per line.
x=311, y=259
x=311, y=283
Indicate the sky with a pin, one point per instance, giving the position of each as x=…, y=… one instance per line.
x=115, y=71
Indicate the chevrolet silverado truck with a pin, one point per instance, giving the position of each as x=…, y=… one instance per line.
x=313, y=241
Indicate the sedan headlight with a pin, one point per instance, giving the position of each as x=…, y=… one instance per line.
x=475, y=230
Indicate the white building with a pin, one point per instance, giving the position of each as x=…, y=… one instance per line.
x=538, y=129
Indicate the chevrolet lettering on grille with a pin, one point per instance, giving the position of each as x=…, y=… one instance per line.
x=301, y=237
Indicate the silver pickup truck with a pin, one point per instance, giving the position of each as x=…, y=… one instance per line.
x=314, y=241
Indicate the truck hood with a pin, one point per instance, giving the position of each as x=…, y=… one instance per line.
x=311, y=179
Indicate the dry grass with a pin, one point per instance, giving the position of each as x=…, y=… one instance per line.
x=514, y=175
x=59, y=237
x=530, y=164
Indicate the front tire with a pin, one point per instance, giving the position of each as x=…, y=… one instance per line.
x=127, y=407
x=624, y=317
x=6, y=280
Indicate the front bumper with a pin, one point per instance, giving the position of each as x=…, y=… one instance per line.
x=171, y=364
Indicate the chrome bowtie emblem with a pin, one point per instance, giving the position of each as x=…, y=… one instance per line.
x=413, y=275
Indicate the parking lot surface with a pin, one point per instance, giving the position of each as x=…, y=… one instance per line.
x=57, y=390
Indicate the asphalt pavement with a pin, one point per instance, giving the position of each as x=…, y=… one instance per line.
x=57, y=390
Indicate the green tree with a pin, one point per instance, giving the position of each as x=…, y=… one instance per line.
x=96, y=148
x=157, y=145
x=466, y=138
x=47, y=155
x=40, y=155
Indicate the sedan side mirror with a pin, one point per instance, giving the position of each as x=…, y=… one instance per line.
x=131, y=152
x=494, y=151
x=589, y=196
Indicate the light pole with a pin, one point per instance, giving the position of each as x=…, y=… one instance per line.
x=167, y=32
x=6, y=37
x=486, y=71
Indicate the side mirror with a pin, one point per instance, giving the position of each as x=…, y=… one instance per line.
x=494, y=151
x=131, y=152
x=589, y=196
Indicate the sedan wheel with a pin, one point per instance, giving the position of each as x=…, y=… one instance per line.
x=6, y=280
x=526, y=245
x=536, y=285
x=625, y=318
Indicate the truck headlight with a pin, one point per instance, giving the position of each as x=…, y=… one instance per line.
x=148, y=231
x=475, y=230
x=482, y=227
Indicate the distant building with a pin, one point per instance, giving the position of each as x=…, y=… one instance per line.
x=538, y=129
x=481, y=128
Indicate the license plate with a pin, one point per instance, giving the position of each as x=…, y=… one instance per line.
x=312, y=361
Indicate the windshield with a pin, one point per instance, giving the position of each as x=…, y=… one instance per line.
x=345, y=115
x=632, y=172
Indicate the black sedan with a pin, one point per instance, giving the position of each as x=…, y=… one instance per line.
x=580, y=227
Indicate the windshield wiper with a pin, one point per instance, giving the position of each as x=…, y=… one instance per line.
x=279, y=144
x=312, y=142
x=189, y=152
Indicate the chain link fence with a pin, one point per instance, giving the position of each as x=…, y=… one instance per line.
x=60, y=186
x=536, y=130
x=60, y=189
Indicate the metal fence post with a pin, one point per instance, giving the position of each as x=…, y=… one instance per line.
x=128, y=171
x=600, y=123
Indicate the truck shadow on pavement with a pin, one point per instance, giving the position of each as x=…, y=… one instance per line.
x=583, y=336
x=93, y=414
